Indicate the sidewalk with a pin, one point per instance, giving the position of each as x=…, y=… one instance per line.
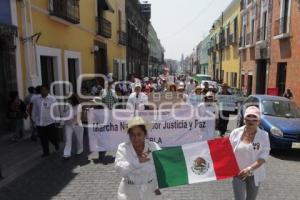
x=17, y=158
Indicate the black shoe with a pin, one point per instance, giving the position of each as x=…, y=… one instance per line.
x=45, y=155
x=99, y=160
x=65, y=158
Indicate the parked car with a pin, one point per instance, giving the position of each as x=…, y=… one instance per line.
x=202, y=77
x=280, y=118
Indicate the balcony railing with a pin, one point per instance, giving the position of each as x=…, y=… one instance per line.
x=261, y=34
x=281, y=26
x=122, y=38
x=249, y=38
x=65, y=9
x=209, y=51
x=242, y=42
x=104, y=27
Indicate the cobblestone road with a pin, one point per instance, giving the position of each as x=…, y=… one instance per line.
x=81, y=178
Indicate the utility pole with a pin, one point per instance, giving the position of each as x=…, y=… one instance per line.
x=221, y=47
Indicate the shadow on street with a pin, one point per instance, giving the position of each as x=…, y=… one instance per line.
x=45, y=180
x=288, y=155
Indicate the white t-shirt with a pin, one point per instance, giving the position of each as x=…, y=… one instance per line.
x=137, y=102
x=246, y=156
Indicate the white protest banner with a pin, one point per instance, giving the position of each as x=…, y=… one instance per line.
x=227, y=102
x=195, y=100
x=107, y=129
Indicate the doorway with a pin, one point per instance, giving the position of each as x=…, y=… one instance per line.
x=261, y=75
x=72, y=75
x=281, y=78
x=101, y=59
x=8, y=80
x=47, y=70
x=249, y=85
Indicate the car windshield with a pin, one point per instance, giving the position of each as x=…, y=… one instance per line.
x=281, y=109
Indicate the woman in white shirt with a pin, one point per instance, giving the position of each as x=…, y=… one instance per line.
x=72, y=127
x=134, y=163
x=251, y=147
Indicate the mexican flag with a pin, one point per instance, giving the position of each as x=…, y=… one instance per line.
x=195, y=163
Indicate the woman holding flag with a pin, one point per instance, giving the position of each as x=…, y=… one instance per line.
x=251, y=147
x=134, y=163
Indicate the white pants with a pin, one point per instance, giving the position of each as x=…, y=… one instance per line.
x=136, y=192
x=69, y=130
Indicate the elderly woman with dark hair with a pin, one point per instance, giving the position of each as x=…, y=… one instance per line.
x=134, y=163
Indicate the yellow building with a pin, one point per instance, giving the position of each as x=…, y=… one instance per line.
x=224, y=60
x=62, y=39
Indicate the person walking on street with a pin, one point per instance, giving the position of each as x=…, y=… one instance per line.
x=137, y=100
x=224, y=115
x=41, y=115
x=27, y=99
x=251, y=147
x=28, y=103
x=206, y=88
x=16, y=114
x=135, y=164
x=190, y=87
x=109, y=98
x=34, y=132
x=72, y=127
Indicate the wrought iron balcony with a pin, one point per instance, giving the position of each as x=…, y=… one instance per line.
x=122, y=38
x=65, y=9
x=104, y=27
x=209, y=50
x=281, y=26
x=261, y=34
x=249, y=38
x=242, y=42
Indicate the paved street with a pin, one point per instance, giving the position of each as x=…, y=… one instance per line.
x=80, y=178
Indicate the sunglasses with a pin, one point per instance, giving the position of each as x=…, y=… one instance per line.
x=252, y=119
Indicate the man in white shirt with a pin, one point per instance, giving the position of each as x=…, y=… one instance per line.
x=190, y=87
x=42, y=117
x=137, y=100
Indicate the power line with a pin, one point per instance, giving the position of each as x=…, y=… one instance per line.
x=183, y=28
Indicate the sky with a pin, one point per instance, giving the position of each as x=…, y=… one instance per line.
x=182, y=24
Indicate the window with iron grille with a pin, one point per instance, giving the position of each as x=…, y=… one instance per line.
x=66, y=9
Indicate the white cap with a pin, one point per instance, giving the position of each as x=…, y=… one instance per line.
x=138, y=84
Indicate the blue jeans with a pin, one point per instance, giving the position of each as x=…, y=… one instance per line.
x=244, y=190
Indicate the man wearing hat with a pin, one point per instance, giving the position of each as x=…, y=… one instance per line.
x=134, y=162
x=224, y=115
x=137, y=100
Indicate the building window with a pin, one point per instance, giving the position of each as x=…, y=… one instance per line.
x=47, y=70
x=282, y=24
x=227, y=34
x=72, y=73
x=235, y=28
x=252, y=31
x=65, y=9
x=243, y=80
x=233, y=79
x=227, y=73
